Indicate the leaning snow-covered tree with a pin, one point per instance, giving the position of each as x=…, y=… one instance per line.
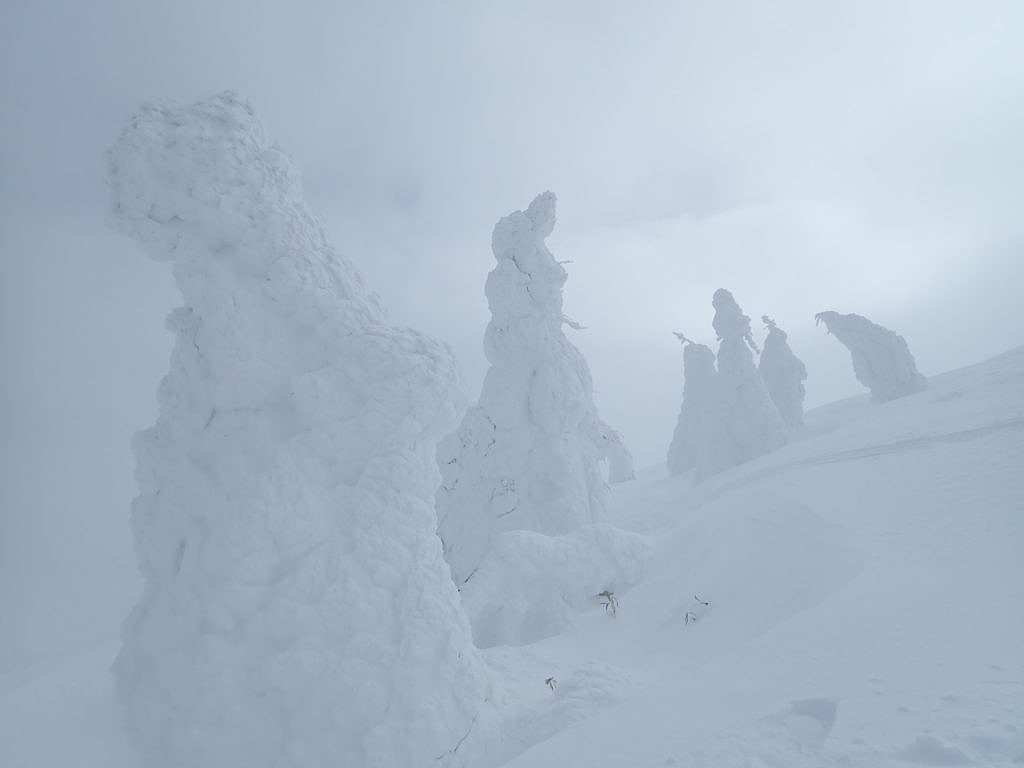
x=698, y=379
x=526, y=457
x=741, y=420
x=881, y=359
x=297, y=609
x=784, y=374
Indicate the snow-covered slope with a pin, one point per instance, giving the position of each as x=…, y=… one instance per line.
x=866, y=594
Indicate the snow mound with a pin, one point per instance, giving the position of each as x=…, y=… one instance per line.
x=881, y=358
x=297, y=608
x=530, y=585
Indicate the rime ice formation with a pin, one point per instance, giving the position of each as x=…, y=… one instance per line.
x=784, y=374
x=297, y=609
x=881, y=358
x=698, y=379
x=741, y=421
x=526, y=457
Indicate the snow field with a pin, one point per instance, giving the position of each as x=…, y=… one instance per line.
x=864, y=584
x=865, y=605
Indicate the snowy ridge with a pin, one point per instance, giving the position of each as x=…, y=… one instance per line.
x=870, y=577
x=864, y=585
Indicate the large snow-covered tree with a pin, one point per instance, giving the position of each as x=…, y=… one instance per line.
x=784, y=374
x=698, y=379
x=741, y=420
x=881, y=358
x=297, y=609
x=522, y=479
x=526, y=456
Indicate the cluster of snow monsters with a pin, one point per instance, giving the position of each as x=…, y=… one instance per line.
x=297, y=609
x=731, y=415
x=522, y=481
x=738, y=412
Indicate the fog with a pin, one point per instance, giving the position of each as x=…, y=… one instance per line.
x=858, y=158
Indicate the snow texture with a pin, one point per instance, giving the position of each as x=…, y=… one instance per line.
x=784, y=374
x=530, y=585
x=864, y=585
x=741, y=421
x=698, y=380
x=526, y=457
x=881, y=358
x=297, y=608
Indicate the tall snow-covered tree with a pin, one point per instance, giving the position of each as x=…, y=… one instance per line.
x=881, y=358
x=741, y=421
x=523, y=495
x=526, y=456
x=698, y=380
x=297, y=609
x=784, y=374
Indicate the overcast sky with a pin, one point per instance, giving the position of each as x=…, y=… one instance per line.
x=860, y=157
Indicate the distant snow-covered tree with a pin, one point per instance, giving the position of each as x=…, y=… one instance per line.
x=784, y=374
x=527, y=456
x=297, y=609
x=698, y=379
x=741, y=420
x=612, y=448
x=881, y=359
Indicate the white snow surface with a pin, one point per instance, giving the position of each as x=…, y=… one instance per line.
x=527, y=456
x=297, y=608
x=784, y=374
x=864, y=587
x=881, y=358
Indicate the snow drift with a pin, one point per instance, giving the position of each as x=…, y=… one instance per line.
x=297, y=607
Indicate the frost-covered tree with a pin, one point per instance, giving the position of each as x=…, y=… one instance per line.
x=741, y=421
x=523, y=496
x=881, y=359
x=297, y=609
x=612, y=448
x=526, y=457
x=698, y=380
x=784, y=374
